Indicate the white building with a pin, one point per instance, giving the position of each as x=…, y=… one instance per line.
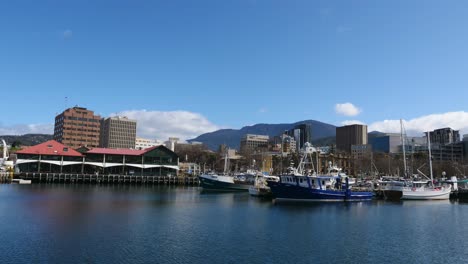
x=143, y=143
x=170, y=144
x=251, y=142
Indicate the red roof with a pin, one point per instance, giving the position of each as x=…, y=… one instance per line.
x=127, y=152
x=50, y=147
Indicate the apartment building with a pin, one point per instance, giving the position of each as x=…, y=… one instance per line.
x=77, y=127
x=118, y=132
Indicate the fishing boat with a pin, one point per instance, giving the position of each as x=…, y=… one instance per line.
x=303, y=186
x=389, y=187
x=224, y=181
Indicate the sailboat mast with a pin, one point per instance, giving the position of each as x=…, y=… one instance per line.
x=404, y=148
x=430, y=157
x=226, y=162
x=5, y=149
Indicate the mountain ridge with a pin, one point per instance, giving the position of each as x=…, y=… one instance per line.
x=27, y=139
x=232, y=137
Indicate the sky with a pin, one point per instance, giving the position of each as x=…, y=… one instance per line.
x=183, y=68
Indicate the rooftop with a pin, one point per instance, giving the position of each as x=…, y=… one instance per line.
x=50, y=147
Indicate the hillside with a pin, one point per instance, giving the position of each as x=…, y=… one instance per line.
x=232, y=137
x=27, y=139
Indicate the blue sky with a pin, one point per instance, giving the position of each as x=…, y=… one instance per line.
x=196, y=66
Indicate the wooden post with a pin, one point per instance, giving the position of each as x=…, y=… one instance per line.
x=142, y=163
x=39, y=164
x=61, y=163
x=82, y=165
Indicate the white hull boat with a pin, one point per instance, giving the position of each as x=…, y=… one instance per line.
x=426, y=193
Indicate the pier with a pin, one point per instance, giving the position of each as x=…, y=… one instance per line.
x=106, y=179
x=6, y=177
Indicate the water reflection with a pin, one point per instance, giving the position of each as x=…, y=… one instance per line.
x=159, y=224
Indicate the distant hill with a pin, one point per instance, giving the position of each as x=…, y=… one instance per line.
x=232, y=137
x=27, y=139
x=374, y=134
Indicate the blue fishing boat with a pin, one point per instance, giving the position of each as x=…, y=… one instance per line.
x=315, y=189
x=301, y=184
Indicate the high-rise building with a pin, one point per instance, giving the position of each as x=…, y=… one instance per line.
x=76, y=127
x=385, y=143
x=346, y=136
x=445, y=144
x=118, y=132
x=302, y=133
x=444, y=136
x=288, y=144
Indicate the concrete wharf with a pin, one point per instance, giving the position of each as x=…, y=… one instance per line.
x=107, y=179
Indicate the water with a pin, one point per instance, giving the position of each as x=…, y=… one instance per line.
x=137, y=224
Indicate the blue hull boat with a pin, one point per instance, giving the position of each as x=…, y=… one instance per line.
x=282, y=191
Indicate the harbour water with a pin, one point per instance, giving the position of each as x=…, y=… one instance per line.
x=47, y=223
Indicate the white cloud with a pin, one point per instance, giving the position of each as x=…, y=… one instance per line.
x=347, y=109
x=67, y=34
x=27, y=129
x=162, y=125
x=352, y=122
x=416, y=126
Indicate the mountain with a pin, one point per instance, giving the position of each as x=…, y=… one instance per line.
x=375, y=134
x=27, y=139
x=232, y=137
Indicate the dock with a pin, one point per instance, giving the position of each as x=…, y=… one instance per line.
x=107, y=179
x=6, y=177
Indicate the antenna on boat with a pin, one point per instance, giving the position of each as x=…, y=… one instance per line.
x=307, y=151
x=403, y=146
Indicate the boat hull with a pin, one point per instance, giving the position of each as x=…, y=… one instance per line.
x=213, y=184
x=287, y=192
x=392, y=195
x=443, y=194
x=260, y=192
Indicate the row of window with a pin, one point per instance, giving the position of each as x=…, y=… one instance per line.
x=83, y=119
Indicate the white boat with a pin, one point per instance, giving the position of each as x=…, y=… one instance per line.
x=260, y=187
x=21, y=181
x=426, y=190
x=224, y=182
x=421, y=190
x=5, y=164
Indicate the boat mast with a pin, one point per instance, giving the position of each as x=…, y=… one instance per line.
x=226, y=162
x=430, y=157
x=403, y=146
x=4, y=149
